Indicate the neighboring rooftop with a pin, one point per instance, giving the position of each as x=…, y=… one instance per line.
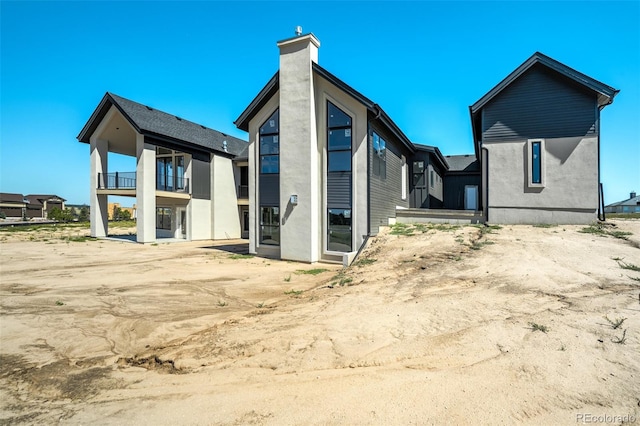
x=463, y=163
x=153, y=122
x=633, y=200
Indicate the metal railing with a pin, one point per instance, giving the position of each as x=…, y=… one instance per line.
x=117, y=180
x=243, y=191
x=127, y=180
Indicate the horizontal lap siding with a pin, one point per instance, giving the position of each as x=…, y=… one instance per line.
x=270, y=190
x=540, y=104
x=200, y=180
x=386, y=194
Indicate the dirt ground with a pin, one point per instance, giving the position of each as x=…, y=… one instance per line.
x=449, y=325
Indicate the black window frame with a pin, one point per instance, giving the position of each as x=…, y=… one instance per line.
x=339, y=150
x=379, y=161
x=275, y=136
x=272, y=223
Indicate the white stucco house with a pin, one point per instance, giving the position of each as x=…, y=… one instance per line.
x=189, y=182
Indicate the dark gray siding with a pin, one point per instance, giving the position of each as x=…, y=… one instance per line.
x=270, y=190
x=454, y=189
x=386, y=194
x=540, y=104
x=419, y=194
x=339, y=190
x=200, y=179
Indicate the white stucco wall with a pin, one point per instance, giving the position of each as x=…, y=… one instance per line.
x=570, y=183
x=224, y=204
x=199, y=219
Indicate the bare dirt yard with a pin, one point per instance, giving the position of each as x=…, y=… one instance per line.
x=435, y=324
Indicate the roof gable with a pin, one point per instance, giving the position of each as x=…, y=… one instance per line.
x=273, y=85
x=152, y=122
x=605, y=93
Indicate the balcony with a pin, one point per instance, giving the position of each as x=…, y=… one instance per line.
x=127, y=180
x=243, y=191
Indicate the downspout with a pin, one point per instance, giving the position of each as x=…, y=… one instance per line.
x=485, y=184
x=368, y=235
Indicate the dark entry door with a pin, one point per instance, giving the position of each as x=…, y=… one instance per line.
x=420, y=192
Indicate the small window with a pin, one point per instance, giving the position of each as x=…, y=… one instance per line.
x=163, y=218
x=379, y=156
x=535, y=150
x=431, y=179
x=404, y=178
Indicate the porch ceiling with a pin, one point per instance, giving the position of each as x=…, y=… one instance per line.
x=121, y=135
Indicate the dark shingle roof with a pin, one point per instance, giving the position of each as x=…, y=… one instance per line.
x=36, y=199
x=6, y=197
x=153, y=122
x=463, y=163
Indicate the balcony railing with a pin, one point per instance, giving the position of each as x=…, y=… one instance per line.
x=243, y=191
x=127, y=180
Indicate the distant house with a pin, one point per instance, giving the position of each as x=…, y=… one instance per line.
x=39, y=206
x=18, y=206
x=537, y=135
x=13, y=206
x=630, y=205
x=187, y=179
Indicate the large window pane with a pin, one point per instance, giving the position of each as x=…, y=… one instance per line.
x=339, y=230
x=272, y=125
x=270, y=225
x=269, y=145
x=270, y=164
x=339, y=161
x=338, y=118
x=340, y=139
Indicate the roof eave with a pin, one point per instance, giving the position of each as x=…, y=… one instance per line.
x=242, y=122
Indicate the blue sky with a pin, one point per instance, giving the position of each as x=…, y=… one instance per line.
x=423, y=62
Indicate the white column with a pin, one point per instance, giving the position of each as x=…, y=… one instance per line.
x=300, y=228
x=145, y=190
x=98, y=203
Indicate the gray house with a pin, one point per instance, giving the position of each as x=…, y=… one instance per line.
x=327, y=166
x=630, y=205
x=537, y=135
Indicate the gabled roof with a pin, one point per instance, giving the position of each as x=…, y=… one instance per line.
x=37, y=199
x=604, y=93
x=435, y=151
x=463, y=163
x=635, y=201
x=152, y=122
x=272, y=86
